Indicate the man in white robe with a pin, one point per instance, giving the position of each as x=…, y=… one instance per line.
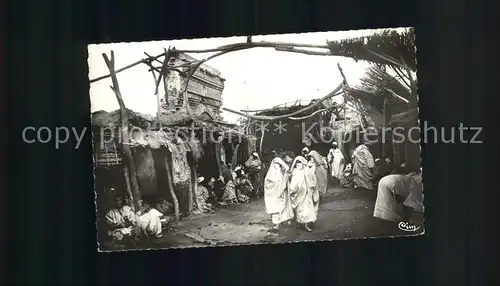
x=363, y=167
x=400, y=198
x=148, y=220
x=120, y=220
x=320, y=170
x=336, y=161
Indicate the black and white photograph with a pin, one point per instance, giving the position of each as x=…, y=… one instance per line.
x=256, y=139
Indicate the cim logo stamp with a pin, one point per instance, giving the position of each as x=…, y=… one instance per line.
x=404, y=226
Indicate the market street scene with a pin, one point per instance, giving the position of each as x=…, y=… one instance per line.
x=258, y=139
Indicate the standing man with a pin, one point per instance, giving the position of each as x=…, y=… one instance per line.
x=320, y=170
x=336, y=162
x=363, y=165
x=254, y=166
x=305, y=152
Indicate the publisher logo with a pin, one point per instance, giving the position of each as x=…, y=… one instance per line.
x=408, y=227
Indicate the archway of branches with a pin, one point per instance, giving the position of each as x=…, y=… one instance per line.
x=160, y=73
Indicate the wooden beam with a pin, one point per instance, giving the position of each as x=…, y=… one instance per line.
x=225, y=48
x=274, y=118
x=170, y=177
x=127, y=152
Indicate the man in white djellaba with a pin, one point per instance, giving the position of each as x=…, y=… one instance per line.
x=120, y=220
x=336, y=162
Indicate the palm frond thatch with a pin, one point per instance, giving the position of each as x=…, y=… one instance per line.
x=383, y=48
x=378, y=83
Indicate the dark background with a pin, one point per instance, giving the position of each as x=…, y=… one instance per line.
x=50, y=234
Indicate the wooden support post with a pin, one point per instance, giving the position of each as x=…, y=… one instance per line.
x=190, y=189
x=262, y=139
x=127, y=152
x=234, y=159
x=128, y=189
x=386, y=123
x=170, y=178
x=194, y=185
x=217, y=158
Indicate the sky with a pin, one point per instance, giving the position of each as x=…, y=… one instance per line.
x=255, y=78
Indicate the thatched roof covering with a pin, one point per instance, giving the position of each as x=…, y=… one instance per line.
x=149, y=133
x=389, y=44
x=408, y=118
x=107, y=119
x=290, y=107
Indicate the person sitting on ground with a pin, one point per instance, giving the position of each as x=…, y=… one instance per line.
x=219, y=187
x=213, y=197
x=243, y=186
x=229, y=195
x=202, y=197
x=120, y=220
x=226, y=173
x=400, y=198
x=149, y=220
x=347, y=178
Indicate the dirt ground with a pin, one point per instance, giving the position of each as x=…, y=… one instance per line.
x=343, y=213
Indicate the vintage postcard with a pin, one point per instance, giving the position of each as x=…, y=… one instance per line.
x=258, y=139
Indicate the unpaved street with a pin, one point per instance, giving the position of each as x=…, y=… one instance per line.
x=344, y=213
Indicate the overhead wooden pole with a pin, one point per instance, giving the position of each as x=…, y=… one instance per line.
x=274, y=118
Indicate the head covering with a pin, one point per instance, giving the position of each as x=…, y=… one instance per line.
x=201, y=179
x=237, y=168
x=255, y=154
x=299, y=159
x=305, y=150
x=377, y=160
x=288, y=159
x=334, y=143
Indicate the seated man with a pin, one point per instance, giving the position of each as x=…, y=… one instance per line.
x=202, y=196
x=400, y=198
x=243, y=186
x=149, y=221
x=119, y=220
